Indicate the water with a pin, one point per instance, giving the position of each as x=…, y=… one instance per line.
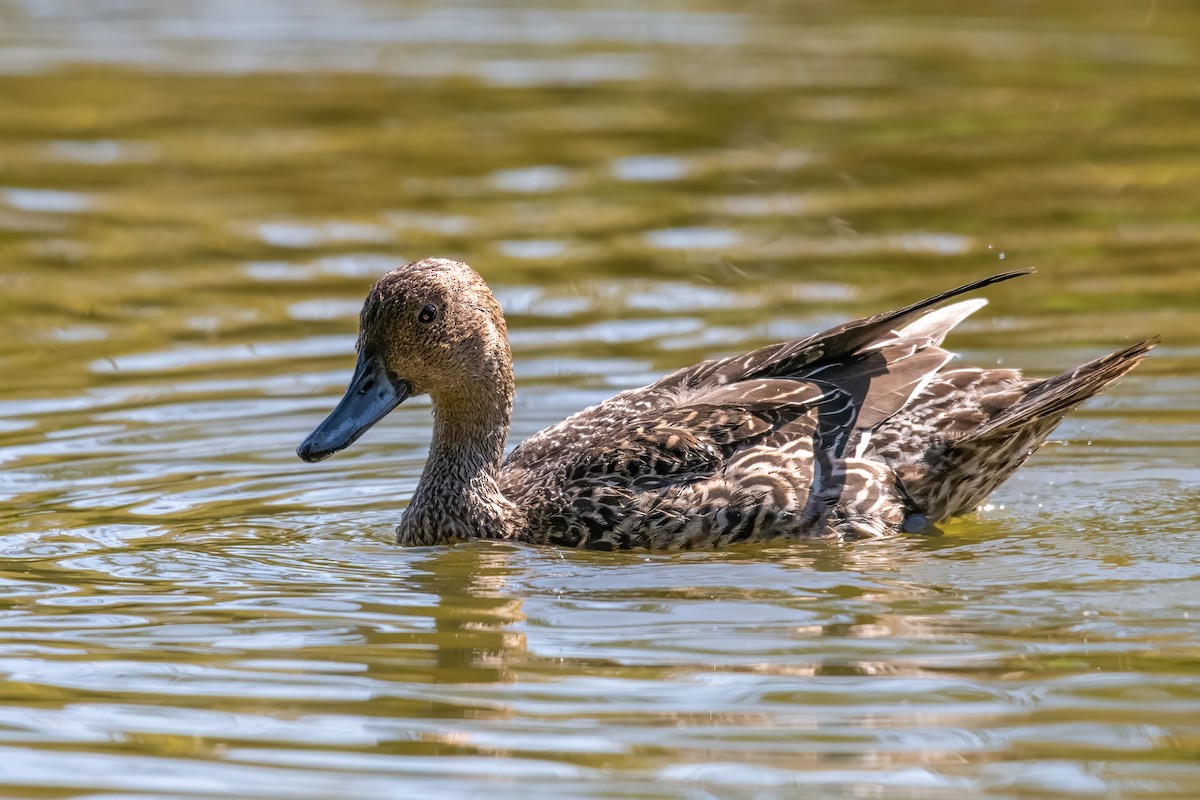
x=194, y=198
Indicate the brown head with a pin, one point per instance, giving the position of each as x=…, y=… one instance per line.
x=430, y=327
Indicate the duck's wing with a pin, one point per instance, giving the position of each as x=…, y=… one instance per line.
x=858, y=390
x=695, y=432
x=823, y=389
x=797, y=358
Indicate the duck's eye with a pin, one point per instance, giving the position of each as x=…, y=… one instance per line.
x=428, y=313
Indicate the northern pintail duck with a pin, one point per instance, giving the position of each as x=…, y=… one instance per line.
x=857, y=431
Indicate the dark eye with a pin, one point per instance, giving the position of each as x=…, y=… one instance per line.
x=428, y=313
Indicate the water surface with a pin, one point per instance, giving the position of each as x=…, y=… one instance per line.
x=194, y=198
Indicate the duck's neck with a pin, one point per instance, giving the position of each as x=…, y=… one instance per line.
x=458, y=496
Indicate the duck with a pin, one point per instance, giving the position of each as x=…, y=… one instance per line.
x=860, y=431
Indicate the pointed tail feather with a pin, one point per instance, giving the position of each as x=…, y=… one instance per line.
x=959, y=474
x=1060, y=394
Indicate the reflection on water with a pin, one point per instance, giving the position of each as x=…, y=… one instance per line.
x=194, y=198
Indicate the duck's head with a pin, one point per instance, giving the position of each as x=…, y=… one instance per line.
x=430, y=327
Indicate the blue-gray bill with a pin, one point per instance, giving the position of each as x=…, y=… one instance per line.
x=372, y=393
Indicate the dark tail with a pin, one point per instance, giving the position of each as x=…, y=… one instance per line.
x=963, y=472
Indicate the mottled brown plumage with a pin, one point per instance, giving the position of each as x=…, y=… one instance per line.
x=856, y=431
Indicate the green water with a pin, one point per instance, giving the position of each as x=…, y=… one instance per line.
x=194, y=198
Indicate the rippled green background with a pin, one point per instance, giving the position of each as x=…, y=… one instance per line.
x=194, y=198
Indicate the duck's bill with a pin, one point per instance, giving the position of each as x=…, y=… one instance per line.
x=372, y=393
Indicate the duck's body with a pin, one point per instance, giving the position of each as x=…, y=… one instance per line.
x=857, y=431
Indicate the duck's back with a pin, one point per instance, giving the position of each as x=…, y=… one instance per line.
x=857, y=431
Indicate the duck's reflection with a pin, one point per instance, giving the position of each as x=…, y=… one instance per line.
x=473, y=641
x=445, y=661
x=451, y=623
